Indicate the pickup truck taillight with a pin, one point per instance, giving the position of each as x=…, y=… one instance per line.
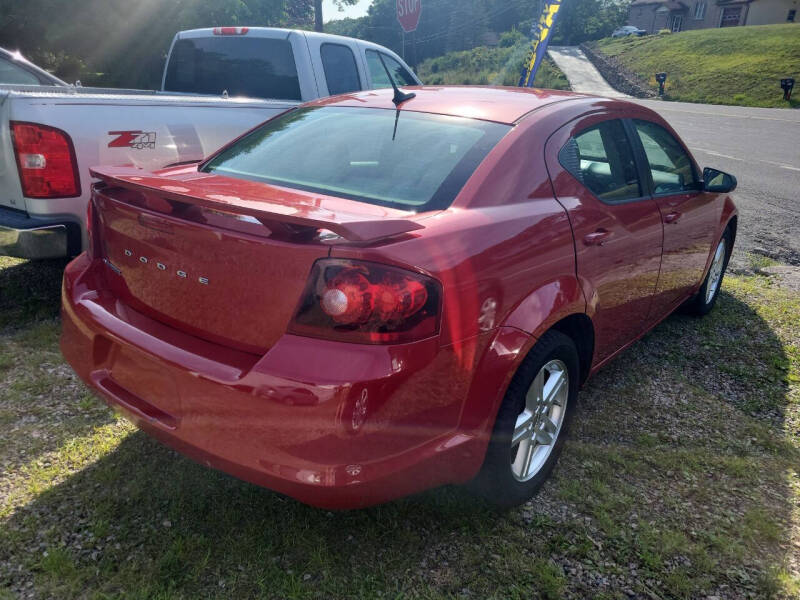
x=45, y=160
x=368, y=303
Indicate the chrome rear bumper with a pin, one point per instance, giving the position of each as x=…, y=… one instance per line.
x=44, y=242
x=22, y=236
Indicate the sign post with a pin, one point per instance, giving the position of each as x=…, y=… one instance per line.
x=408, y=13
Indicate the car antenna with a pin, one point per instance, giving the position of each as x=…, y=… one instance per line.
x=399, y=95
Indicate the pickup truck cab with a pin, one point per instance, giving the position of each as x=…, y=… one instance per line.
x=217, y=84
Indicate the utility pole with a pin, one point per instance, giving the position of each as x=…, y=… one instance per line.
x=318, y=15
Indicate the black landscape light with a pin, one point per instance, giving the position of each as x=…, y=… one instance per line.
x=661, y=78
x=786, y=85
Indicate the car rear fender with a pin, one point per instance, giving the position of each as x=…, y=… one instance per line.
x=547, y=305
x=509, y=346
x=491, y=378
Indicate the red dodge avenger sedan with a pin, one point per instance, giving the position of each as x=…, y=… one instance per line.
x=356, y=300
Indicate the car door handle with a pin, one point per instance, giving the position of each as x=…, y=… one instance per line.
x=597, y=238
x=672, y=217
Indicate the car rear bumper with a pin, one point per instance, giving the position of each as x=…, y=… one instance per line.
x=34, y=238
x=331, y=424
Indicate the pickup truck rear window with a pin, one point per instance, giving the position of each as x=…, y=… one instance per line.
x=243, y=66
x=357, y=153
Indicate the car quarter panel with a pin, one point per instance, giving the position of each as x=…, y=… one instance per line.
x=504, y=238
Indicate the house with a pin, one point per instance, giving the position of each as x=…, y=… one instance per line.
x=681, y=15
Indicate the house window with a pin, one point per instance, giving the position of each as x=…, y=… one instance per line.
x=677, y=22
x=791, y=15
x=730, y=16
x=700, y=11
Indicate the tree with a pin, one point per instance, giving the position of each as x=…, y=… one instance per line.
x=318, y=11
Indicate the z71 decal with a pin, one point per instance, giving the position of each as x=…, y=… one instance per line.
x=138, y=140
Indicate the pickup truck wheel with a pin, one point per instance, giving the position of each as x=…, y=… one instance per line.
x=532, y=422
x=705, y=299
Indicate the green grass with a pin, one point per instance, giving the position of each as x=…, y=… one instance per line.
x=736, y=65
x=488, y=66
x=680, y=480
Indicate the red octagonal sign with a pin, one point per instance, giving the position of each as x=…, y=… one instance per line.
x=408, y=12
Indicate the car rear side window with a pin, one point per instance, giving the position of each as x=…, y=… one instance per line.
x=399, y=73
x=403, y=159
x=243, y=66
x=341, y=72
x=601, y=158
x=670, y=165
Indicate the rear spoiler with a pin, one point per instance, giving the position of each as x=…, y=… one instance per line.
x=297, y=208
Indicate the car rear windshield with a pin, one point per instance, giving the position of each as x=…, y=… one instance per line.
x=402, y=159
x=243, y=66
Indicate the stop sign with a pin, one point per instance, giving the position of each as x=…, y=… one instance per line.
x=408, y=12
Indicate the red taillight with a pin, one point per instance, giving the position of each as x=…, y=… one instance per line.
x=231, y=30
x=46, y=161
x=364, y=302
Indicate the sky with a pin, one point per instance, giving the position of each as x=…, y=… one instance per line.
x=331, y=13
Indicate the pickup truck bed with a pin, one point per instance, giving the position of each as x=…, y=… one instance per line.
x=147, y=130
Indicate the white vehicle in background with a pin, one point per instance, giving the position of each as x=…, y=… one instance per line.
x=628, y=30
x=217, y=84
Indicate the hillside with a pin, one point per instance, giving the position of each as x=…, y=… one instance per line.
x=736, y=65
x=488, y=66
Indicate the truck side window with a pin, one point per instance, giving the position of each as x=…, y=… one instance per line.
x=399, y=73
x=341, y=72
x=13, y=74
x=601, y=158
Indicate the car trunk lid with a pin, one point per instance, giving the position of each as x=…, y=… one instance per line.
x=222, y=259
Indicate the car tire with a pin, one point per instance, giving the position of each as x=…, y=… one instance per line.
x=531, y=420
x=704, y=300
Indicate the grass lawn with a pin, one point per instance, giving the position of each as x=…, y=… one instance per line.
x=733, y=65
x=680, y=479
x=489, y=66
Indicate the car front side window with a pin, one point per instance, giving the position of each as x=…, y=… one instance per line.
x=670, y=165
x=601, y=158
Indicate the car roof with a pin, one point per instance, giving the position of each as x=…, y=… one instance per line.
x=499, y=104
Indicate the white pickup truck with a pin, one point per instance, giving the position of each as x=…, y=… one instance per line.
x=217, y=84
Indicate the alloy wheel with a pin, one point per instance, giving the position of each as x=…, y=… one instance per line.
x=539, y=424
x=715, y=272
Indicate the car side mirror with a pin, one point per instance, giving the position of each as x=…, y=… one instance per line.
x=718, y=181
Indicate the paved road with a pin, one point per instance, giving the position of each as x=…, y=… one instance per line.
x=760, y=146
x=580, y=72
